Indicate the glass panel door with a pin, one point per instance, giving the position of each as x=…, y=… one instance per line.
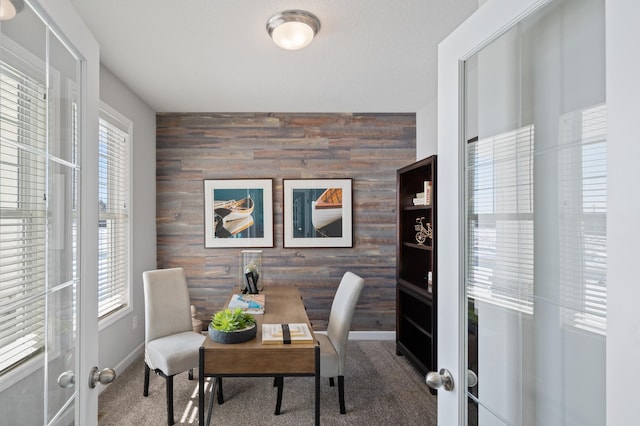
x=39, y=246
x=535, y=228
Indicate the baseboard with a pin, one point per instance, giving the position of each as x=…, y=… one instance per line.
x=369, y=335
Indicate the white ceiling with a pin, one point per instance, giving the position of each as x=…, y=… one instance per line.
x=216, y=55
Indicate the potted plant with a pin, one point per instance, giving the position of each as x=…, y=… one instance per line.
x=232, y=326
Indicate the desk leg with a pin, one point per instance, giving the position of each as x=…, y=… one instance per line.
x=214, y=385
x=317, y=385
x=201, y=387
x=280, y=384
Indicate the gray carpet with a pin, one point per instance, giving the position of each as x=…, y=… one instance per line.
x=381, y=388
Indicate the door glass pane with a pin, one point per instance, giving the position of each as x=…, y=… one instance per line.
x=61, y=359
x=62, y=226
x=38, y=223
x=535, y=176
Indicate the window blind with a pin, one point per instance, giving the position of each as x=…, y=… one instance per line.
x=113, y=225
x=23, y=170
x=500, y=219
x=583, y=233
x=500, y=249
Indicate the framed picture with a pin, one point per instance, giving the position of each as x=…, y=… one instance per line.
x=238, y=213
x=318, y=213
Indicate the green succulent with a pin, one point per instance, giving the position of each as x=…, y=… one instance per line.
x=232, y=320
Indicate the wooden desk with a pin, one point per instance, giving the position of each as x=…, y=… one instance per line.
x=253, y=359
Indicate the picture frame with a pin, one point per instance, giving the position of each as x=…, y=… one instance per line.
x=238, y=213
x=317, y=213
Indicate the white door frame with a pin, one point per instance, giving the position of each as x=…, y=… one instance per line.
x=63, y=17
x=623, y=92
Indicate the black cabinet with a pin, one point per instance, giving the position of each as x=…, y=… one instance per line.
x=416, y=269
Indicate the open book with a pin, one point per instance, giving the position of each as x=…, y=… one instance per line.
x=250, y=303
x=273, y=334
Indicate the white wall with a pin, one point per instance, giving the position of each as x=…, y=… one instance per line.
x=427, y=130
x=120, y=342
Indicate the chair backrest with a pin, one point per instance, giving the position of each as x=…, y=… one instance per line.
x=342, y=309
x=167, y=306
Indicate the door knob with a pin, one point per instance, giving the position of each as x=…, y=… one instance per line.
x=67, y=379
x=105, y=376
x=472, y=378
x=440, y=379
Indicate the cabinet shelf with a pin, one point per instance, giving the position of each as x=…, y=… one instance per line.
x=416, y=266
x=417, y=326
x=417, y=246
x=419, y=207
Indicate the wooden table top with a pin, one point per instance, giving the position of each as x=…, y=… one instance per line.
x=282, y=305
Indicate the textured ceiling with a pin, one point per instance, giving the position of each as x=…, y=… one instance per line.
x=216, y=56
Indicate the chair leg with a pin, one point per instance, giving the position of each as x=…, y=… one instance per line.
x=147, y=370
x=343, y=410
x=170, y=399
x=279, y=381
x=220, y=397
x=331, y=381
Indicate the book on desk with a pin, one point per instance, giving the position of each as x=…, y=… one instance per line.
x=250, y=303
x=274, y=334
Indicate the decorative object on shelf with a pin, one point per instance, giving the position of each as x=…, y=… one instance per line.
x=423, y=233
x=251, y=279
x=423, y=198
x=238, y=213
x=293, y=29
x=232, y=326
x=318, y=213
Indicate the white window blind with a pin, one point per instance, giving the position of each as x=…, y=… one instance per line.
x=500, y=219
x=23, y=170
x=113, y=225
x=500, y=253
x=583, y=233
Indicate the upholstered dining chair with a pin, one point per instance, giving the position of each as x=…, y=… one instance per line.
x=333, y=344
x=171, y=345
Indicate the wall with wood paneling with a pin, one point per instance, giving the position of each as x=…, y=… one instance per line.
x=368, y=148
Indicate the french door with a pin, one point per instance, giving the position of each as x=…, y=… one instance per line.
x=534, y=155
x=48, y=112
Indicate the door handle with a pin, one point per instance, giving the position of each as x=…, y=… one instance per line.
x=472, y=378
x=104, y=377
x=443, y=378
x=67, y=379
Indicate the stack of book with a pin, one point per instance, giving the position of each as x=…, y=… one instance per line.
x=273, y=334
x=423, y=198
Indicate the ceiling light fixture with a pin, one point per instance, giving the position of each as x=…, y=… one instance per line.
x=293, y=29
x=10, y=8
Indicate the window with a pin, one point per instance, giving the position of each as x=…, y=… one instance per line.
x=113, y=224
x=23, y=217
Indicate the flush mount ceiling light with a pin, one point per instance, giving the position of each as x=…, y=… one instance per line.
x=10, y=8
x=293, y=29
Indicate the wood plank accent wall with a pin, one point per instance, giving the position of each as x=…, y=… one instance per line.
x=368, y=148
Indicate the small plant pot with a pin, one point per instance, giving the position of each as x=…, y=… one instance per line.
x=237, y=336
